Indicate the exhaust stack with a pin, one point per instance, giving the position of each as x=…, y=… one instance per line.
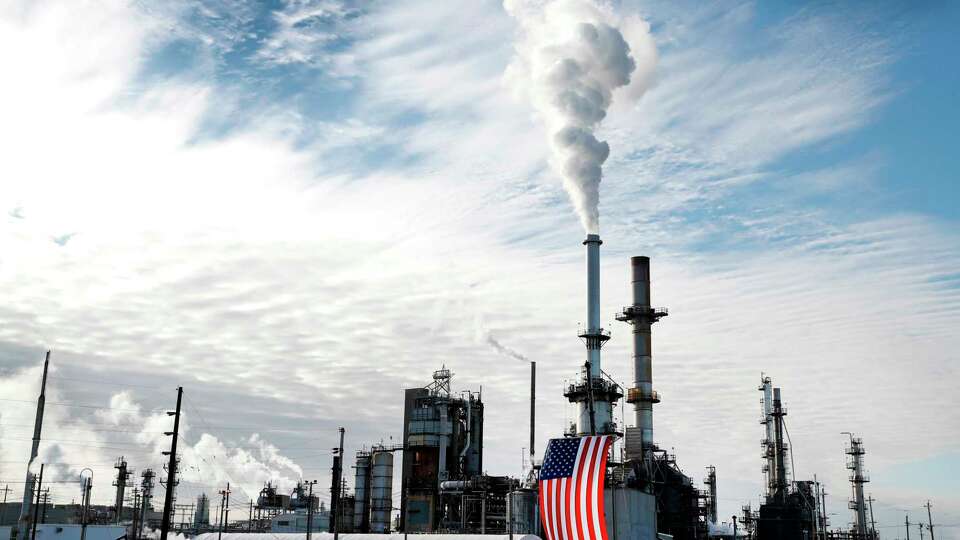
x=642, y=316
x=594, y=394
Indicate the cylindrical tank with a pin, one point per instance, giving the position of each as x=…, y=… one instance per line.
x=361, y=490
x=381, y=492
x=524, y=515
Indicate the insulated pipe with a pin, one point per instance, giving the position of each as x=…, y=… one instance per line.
x=642, y=361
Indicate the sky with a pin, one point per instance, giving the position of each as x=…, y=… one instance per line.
x=296, y=209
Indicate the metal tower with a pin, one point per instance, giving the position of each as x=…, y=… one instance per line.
x=858, y=477
x=146, y=500
x=779, y=448
x=594, y=394
x=642, y=316
x=711, y=482
x=768, y=443
x=121, y=482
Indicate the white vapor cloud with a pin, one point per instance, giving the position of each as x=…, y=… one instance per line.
x=571, y=57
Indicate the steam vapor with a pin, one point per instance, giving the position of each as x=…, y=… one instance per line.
x=503, y=349
x=570, y=59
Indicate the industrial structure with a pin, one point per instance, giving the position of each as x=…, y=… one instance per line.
x=790, y=509
x=858, y=477
x=444, y=488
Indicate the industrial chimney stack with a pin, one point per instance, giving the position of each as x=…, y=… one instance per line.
x=594, y=394
x=642, y=316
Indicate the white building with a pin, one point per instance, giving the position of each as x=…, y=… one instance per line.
x=293, y=522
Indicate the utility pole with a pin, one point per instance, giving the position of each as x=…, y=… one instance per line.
x=906, y=520
x=823, y=509
x=224, y=509
x=171, y=467
x=87, y=484
x=920, y=526
x=220, y=516
x=310, y=509
x=250, y=521
x=23, y=526
x=46, y=500
x=873, y=524
x=734, y=527
x=335, y=488
x=929, y=520
x=36, y=507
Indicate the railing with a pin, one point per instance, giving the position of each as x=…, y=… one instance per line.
x=636, y=394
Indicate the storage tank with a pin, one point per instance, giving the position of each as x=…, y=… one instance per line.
x=381, y=492
x=361, y=490
x=524, y=515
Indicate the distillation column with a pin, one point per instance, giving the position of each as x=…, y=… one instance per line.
x=857, y=478
x=779, y=448
x=770, y=462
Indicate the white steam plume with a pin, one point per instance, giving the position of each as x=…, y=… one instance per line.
x=570, y=59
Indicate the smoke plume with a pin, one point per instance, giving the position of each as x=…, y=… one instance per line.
x=570, y=59
x=503, y=349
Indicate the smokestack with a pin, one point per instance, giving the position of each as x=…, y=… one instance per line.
x=34, y=450
x=533, y=407
x=642, y=316
x=593, y=303
x=594, y=395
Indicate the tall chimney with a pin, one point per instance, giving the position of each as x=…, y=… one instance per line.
x=594, y=394
x=642, y=316
x=533, y=408
x=593, y=304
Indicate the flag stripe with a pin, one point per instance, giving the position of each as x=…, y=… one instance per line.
x=580, y=492
x=591, y=496
x=603, y=467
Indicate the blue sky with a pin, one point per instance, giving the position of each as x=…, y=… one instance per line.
x=300, y=205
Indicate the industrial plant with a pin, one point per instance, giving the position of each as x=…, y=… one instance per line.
x=444, y=488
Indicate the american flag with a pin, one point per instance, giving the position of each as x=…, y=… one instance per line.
x=571, y=488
